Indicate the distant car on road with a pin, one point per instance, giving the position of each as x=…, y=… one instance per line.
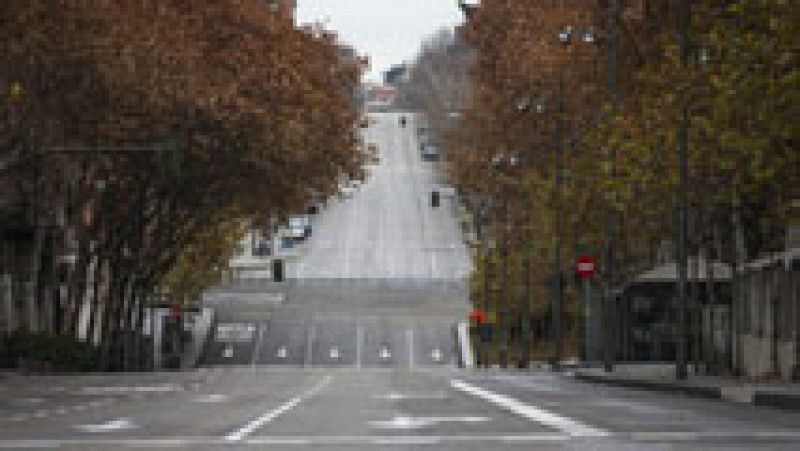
x=347, y=190
x=300, y=227
x=429, y=152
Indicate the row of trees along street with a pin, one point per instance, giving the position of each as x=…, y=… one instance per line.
x=569, y=139
x=134, y=139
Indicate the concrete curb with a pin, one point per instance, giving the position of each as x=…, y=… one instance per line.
x=761, y=398
x=708, y=392
x=786, y=401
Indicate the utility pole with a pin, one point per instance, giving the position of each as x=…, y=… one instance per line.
x=684, y=21
x=609, y=335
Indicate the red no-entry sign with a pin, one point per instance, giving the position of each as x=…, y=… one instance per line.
x=585, y=266
x=478, y=316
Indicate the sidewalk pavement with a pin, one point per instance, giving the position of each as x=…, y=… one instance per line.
x=185, y=380
x=661, y=377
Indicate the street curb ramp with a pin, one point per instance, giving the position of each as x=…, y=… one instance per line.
x=761, y=398
x=706, y=392
x=779, y=400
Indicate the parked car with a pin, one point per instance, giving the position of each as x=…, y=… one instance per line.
x=263, y=248
x=347, y=190
x=447, y=191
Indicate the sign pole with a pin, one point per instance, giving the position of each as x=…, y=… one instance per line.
x=587, y=295
x=585, y=267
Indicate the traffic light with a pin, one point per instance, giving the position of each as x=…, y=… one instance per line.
x=277, y=270
x=434, y=199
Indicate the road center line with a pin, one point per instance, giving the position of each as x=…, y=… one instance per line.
x=240, y=434
x=572, y=427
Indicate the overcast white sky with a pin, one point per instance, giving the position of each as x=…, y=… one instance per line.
x=388, y=31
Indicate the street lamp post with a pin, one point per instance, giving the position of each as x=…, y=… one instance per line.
x=608, y=308
x=565, y=37
x=684, y=21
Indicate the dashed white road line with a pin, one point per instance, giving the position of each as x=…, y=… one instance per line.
x=567, y=425
x=405, y=422
x=249, y=428
x=109, y=426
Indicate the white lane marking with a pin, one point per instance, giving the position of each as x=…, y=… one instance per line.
x=572, y=427
x=404, y=422
x=410, y=340
x=109, y=426
x=40, y=414
x=407, y=440
x=211, y=398
x=309, y=345
x=395, y=396
x=400, y=422
x=244, y=431
x=359, y=339
x=162, y=388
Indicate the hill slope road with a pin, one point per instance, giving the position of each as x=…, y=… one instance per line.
x=381, y=281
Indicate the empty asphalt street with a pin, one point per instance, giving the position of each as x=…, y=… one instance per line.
x=285, y=408
x=359, y=350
